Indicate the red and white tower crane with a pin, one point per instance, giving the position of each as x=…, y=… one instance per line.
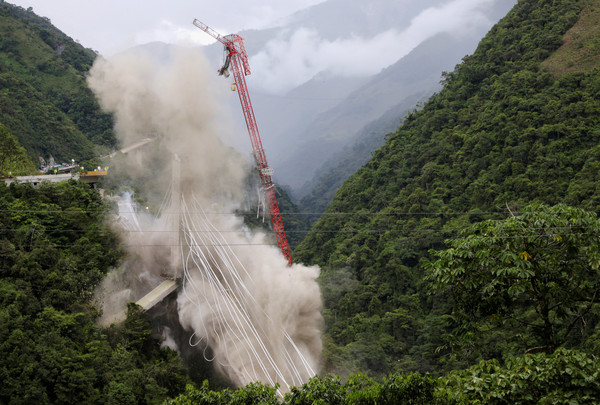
x=237, y=61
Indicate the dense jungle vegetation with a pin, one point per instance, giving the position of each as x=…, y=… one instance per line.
x=505, y=131
x=459, y=265
x=54, y=249
x=568, y=377
x=44, y=100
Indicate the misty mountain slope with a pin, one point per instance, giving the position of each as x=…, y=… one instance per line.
x=310, y=144
x=285, y=99
x=503, y=132
x=339, y=42
x=415, y=77
x=45, y=102
x=320, y=190
x=281, y=116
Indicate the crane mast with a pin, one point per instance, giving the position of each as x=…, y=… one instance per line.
x=237, y=60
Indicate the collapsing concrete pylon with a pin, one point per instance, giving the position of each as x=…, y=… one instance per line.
x=176, y=269
x=173, y=274
x=174, y=220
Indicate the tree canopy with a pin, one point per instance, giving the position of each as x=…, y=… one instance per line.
x=54, y=249
x=535, y=276
x=504, y=131
x=564, y=377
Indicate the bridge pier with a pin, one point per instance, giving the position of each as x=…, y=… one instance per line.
x=175, y=272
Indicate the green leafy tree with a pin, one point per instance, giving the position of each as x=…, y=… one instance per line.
x=55, y=248
x=319, y=390
x=565, y=377
x=536, y=275
x=253, y=393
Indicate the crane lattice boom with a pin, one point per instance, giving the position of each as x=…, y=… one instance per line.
x=238, y=58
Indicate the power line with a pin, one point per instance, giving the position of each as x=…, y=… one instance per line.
x=335, y=213
x=548, y=235
x=383, y=230
x=78, y=211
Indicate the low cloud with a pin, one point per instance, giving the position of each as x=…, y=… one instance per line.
x=296, y=57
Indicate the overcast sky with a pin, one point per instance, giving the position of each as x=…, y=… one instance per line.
x=109, y=26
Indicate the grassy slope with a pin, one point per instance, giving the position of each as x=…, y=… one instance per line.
x=13, y=157
x=581, y=49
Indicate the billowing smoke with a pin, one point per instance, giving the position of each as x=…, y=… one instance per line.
x=176, y=103
x=239, y=301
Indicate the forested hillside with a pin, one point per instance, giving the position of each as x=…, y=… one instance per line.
x=44, y=99
x=466, y=250
x=13, y=157
x=54, y=249
x=507, y=130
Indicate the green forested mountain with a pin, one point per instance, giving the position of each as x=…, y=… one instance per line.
x=517, y=122
x=54, y=249
x=44, y=99
x=467, y=247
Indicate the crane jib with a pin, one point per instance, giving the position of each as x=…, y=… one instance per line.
x=238, y=63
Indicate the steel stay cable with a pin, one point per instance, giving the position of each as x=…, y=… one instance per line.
x=234, y=271
x=192, y=282
x=220, y=313
x=227, y=245
x=246, y=320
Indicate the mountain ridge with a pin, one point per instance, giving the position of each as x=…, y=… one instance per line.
x=502, y=133
x=45, y=102
x=413, y=79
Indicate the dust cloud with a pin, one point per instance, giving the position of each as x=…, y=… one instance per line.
x=237, y=290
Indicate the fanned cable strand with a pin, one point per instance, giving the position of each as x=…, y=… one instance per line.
x=247, y=342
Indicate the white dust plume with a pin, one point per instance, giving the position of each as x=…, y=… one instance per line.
x=259, y=318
